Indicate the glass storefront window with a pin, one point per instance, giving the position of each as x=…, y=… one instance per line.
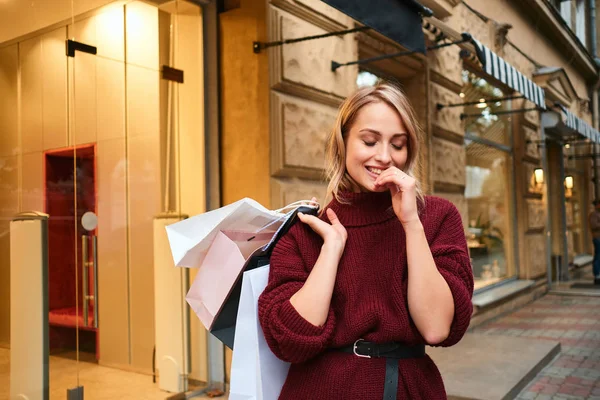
x=489, y=126
x=489, y=179
x=487, y=194
x=111, y=150
x=576, y=198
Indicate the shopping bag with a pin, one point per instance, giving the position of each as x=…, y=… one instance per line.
x=219, y=271
x=191, y=238
x=256, y=373
x=242, y=239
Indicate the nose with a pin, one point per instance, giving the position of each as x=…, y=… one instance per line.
x=383, y=155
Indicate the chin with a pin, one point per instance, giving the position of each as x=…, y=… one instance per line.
x=370, y=187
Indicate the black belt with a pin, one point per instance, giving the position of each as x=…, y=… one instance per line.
x=392, y=352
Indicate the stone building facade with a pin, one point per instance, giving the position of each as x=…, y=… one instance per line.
x=295, y=95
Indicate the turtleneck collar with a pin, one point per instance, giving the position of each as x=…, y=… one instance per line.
x=363, y=208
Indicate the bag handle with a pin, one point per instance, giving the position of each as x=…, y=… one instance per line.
x=293, y=206
x=287, y=224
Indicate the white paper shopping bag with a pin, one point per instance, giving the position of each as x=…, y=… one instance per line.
x=256, y=373
x=191, y=238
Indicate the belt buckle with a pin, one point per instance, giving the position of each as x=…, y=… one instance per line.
x=355, y=347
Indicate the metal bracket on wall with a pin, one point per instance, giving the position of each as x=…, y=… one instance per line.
x=257, y=47
x=466, y=37
x=172, y=74
x=472, y=103
x=73, y=46
x=519, y=110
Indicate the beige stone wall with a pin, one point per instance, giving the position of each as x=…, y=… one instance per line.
x=304, y=95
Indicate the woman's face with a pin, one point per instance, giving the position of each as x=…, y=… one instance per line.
x=377, y=140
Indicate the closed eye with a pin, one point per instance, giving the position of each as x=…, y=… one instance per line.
x=370, y=144
x=398, y=147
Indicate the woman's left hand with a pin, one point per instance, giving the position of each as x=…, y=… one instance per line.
x=403, y=189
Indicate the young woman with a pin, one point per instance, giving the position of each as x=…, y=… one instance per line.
x=355, y=295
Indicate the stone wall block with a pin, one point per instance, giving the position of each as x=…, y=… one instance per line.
x=287, y=191
x=536, y=214
x=299, y=134
x=446, y=118
x=536, y=254
x=570, y=244
x=463, y=20
x=309, y=63
x=447, y=62
x=534, y=135
x=449, y=160
x=532, y=116
x=569, y=212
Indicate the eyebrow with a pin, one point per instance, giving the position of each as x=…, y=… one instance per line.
x=379, y=133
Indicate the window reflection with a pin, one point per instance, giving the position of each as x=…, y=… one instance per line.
x=488, y=181
x=488, y=125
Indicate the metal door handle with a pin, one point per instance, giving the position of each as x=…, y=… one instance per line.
x=84, y=267
x=95, y=264
x=85, y=277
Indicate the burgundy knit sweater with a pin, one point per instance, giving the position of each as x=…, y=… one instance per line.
x=369, y=301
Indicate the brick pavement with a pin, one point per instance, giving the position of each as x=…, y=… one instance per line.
x=574, y=321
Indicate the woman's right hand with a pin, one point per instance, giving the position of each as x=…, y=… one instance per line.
x=334, y=235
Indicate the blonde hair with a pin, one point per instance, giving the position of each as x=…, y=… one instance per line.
x=337, y=175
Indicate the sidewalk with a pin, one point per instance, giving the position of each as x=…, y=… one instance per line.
x=574, y=321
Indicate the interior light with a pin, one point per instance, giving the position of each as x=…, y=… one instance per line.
x=462, y=94
x=567, y=146
x=481, y=105
x=538, y=174
x=569, y=182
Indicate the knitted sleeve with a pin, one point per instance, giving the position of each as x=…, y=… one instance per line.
x=451, y=256
x=291, y=337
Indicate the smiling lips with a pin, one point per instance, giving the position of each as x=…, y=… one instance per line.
x=375, y=172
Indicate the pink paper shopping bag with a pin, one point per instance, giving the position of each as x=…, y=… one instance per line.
x=220, y=270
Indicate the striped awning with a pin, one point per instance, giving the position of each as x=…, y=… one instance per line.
x=495, y=66
x=581, y=127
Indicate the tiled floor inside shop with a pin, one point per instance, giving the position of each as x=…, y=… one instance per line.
x=100, y=383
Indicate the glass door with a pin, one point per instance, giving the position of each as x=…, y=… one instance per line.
x=135, y=115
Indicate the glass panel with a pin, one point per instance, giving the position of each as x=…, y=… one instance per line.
x=487, y=126
x=488, y=198
x=103, y=145
x=577, y=199
x=147, y=138
x=580, y=22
